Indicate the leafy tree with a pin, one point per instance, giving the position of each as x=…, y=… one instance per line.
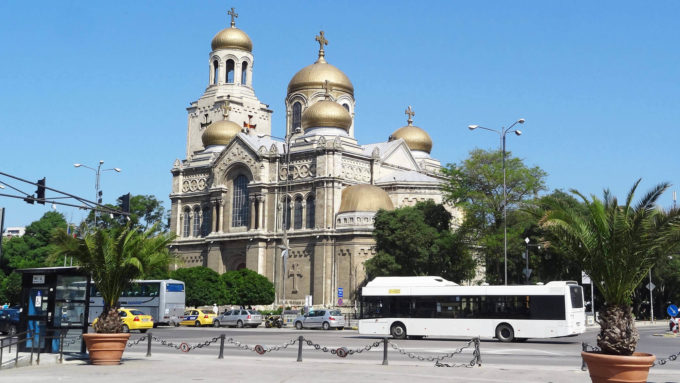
x=476, y=186
x=34, y=247
x=10, y=288
x=145, y=212
x=616, y=245
x=113, y=258
x=246, y=287
x=203, y=285
x=418, y=241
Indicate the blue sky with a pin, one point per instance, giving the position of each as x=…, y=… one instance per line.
x=597, y=82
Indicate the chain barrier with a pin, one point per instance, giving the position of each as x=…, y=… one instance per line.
x=437, y=359
x=341, y=351
x=259, y=348
x=182, y=346
x=72, y=341
x=136, y=342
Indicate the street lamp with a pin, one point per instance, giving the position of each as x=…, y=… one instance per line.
x=526, y=270
x=285, y=248
x=502, y=134
x=98, y=193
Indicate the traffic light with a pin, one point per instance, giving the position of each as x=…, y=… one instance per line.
x=99, y=197
x=125, y=203
x=40, y=192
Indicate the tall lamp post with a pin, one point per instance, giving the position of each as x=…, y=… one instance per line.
x=285, y=248
x=502, y=132
x=98, y=194
x=526, y=270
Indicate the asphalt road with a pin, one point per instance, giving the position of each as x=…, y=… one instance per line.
x=538, y=352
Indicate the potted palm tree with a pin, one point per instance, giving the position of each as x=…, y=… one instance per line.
x=113, y=258
x=616, y=245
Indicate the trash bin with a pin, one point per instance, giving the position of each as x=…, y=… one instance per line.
x=289, y=317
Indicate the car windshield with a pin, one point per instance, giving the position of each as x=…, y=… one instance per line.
x=253, y=312
x=136, y=312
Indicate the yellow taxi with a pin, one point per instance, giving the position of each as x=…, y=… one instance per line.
x=133, y=319
x=197, y=318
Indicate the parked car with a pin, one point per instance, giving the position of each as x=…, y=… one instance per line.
x=197, y=318
x=239, y=318
x=9, y=320
x=133, y=320
x=325, y=319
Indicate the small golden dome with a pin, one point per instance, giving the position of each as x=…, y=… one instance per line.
x=314, y=76
x=364, y=197
x=326, y=113
x=415, y=138
x=232, y=38
x=220, y=133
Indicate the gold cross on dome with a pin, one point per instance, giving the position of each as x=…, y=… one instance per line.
x=226, y=108
x=410, y=114
x=233, y=15
x=328, y=87
x=322, y=41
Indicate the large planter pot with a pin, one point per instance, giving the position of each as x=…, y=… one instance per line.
x=605, y=368
x=106, y=349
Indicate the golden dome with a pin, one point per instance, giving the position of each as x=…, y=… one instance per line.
x=232, y=38
x=315, y=75
x=326, y=113
x=220, y=133
x=364, y=197
x=415, y=138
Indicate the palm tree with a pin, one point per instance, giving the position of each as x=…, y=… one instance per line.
x=113, y=258
x=616, y=245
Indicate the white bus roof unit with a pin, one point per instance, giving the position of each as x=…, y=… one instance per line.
x=410, y=282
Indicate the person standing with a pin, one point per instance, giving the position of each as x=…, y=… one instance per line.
x=215, y=309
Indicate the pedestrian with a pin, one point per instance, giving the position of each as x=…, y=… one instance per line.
x=215, y=309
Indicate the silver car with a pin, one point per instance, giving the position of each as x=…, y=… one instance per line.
x=325, y=319
x=239, y=318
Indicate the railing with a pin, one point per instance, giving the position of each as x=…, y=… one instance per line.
x=35, y=338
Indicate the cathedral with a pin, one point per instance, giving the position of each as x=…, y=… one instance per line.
x=299, y=208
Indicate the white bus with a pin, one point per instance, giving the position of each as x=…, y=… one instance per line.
x=434, y=307
x=162, y=299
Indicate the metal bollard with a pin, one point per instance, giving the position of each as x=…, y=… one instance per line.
x=1, y=348
x=584, y=347
x=221, y=356
x=385, y=352
x=62, y=336
x=478, y=351
x=148, y=344
x=300, y=340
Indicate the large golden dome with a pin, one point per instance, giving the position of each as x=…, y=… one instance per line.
x=326, y=113
x=364, y=197
x=220, y=133
x=232, y=38
x=315, y=75
x=415, y=138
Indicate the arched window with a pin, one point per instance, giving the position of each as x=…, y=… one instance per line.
x=286, y=213
x=239, y=216
x=187, y=223
x=346, y=106
x=216, y=71
x=206, y=226
x=230, y=71
x=244, y=71
x=197, y=222
x=297, y=218
x=297, y=115
x=310, y=211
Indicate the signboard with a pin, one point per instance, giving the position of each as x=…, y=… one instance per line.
x=38, y=299
x=339, y=301
x=308, y=300
x=585, y=278
x=38, y=279
x=340, y=292
x=672, y=310
x=650, y=286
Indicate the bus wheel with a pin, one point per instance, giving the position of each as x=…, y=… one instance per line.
x=398, y=331
x=505, y=333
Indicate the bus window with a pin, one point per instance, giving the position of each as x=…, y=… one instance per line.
x=576, y=293
x=174, y=287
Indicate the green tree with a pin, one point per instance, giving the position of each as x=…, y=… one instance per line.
x=33, y=248
x=418, y=241
x=246, y=287
x=10, y=288
x=113, y=258
x=476, y=186
x=616, y=245
x=203, y=285
x=145, y=212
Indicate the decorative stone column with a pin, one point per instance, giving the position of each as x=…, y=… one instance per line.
x=221, y=219
x=213, y=226
x=304, y=214
x=260, y=212
x=253, y=212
